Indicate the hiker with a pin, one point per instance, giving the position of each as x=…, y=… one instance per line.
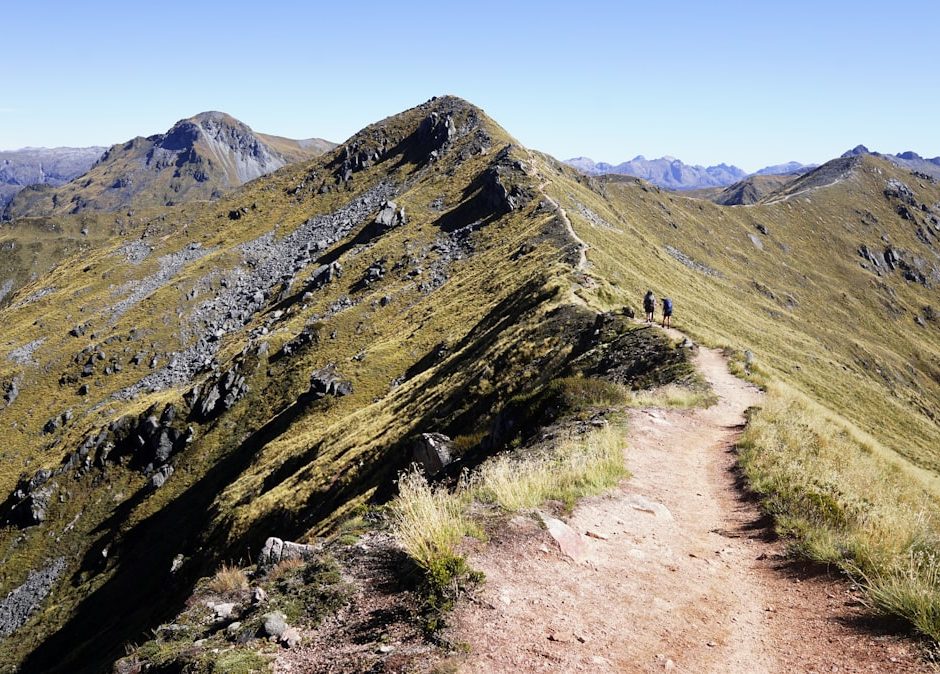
x=649, y=305
x=667, y=312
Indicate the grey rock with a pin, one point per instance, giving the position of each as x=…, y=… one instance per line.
x=432, y=452
x=19, y=604
x=258, y=595
x=223, y=611
x=276, y=550
x=233, y=629
x=12, y=391
x=291, y=637
x=327, y=382
x=275, y=624
x=390, y=216
x=325, y=274
x=159, y=478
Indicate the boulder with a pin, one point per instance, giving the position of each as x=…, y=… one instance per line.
x=276, y=550
x=325, y=274
x=432, y=452
x=390, y=216
x=290, y=637
x=326, y=381
x=161, y=475
x=275, y=624
x=12, y=391
x=223, y=611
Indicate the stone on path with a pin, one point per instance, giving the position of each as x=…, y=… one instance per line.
x=571, y=543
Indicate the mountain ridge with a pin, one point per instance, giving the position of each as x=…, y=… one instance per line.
x=199, y=157
x=223, y=372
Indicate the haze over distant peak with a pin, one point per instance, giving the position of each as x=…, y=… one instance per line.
x=671, y=173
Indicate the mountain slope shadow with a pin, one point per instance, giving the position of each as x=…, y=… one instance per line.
x=142, y=591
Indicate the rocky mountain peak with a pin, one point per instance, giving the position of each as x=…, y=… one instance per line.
x=855, y=151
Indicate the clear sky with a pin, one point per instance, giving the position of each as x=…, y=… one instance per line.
x=748, y=83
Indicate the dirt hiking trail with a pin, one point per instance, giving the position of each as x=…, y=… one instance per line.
x=673, y=571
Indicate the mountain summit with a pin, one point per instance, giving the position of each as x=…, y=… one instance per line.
x=199, y=158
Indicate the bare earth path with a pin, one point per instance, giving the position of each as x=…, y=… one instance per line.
x=681, y=573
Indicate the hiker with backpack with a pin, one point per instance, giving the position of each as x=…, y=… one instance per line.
x=667, y=312
x=649, y=305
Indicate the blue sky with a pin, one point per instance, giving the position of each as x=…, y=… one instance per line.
x=742, y=82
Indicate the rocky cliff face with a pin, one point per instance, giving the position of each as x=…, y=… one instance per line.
x=42, y=166
x=197, y=159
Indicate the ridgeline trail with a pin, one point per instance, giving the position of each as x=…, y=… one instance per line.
x=677, y=571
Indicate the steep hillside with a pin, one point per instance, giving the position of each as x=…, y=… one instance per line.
x=258, y=366
x=199, y=158
x=42, y=166
x=831, y=282
x=261, y=365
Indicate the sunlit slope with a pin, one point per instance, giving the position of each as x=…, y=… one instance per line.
x=434, y=310
x=790, y=281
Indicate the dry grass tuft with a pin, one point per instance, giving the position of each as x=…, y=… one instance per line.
x=229, y=579
x=672, y=396
x=580, y=466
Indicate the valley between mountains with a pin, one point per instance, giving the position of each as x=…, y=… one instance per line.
x=329, y=419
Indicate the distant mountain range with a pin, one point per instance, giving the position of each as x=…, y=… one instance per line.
x=199, y=158
x=42, y=166
x=674, y=174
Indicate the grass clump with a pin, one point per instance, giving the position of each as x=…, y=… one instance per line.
x=580, y=466
x=673, y=396
x=229, y=579
x=430, y=522
x=814, y=473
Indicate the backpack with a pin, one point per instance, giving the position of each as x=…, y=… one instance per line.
x=667, y=305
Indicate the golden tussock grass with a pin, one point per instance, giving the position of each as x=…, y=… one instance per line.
x=846, y=500
x=430, y=521
x=228, y=579
x=579, y=466
x=672, y=396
